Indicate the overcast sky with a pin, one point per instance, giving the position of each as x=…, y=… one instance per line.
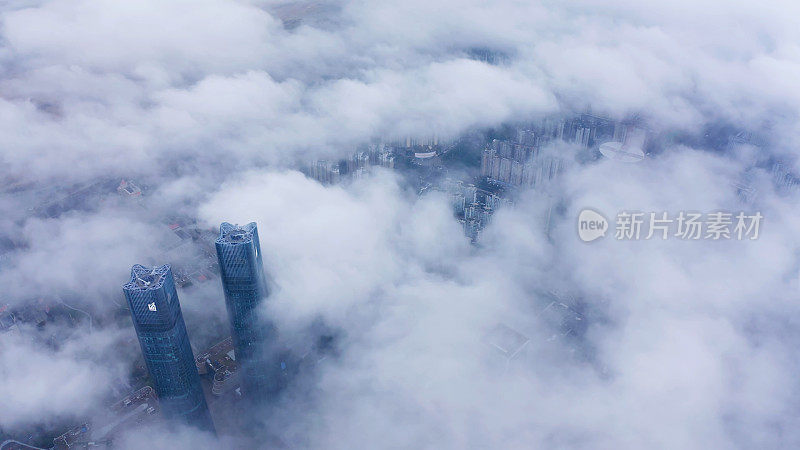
x=216, y=102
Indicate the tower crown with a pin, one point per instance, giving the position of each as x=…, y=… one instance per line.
x=146, y=278
x=235, y=234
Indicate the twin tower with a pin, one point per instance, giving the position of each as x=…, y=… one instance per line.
x=157, y=317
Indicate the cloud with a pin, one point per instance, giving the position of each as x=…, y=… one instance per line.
x=214, y=104
x=673, y=357
x=41, y=383
x=81, y=255
x=119, y=88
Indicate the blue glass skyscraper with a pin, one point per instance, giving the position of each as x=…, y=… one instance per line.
x=157, y=317
x=245, y=287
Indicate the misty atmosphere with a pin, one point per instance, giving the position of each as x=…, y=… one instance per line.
x=370, y=224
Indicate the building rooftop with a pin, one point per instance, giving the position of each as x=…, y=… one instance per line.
x=146, y=278
x=506, y=340
x=145, y=395
x=221, y=362
x=217, y=357
x=235, y=234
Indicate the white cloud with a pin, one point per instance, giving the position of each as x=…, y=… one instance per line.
x=691, y=343
x=39, y=384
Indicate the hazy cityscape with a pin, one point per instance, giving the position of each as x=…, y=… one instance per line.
x=344, y=224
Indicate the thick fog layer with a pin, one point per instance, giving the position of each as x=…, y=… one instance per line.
x=215, y=106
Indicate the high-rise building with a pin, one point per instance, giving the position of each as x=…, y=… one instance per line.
x=245, y=288
x=153, y=301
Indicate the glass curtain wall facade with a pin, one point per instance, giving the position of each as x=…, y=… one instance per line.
x=157, y=317
x=245, y=288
